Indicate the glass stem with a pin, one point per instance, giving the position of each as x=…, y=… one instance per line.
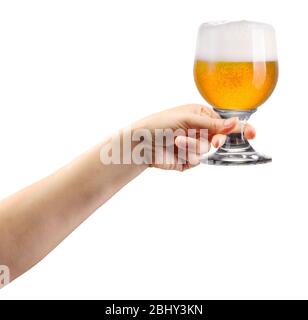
x=235, y=142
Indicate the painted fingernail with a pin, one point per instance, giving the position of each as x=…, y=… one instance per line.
x=216, y=143
x=221, y=141
x=253, y=132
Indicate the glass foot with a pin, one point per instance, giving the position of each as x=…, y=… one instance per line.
x=236, y=150
x=229, y=158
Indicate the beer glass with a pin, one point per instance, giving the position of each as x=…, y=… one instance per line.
x=235, y=71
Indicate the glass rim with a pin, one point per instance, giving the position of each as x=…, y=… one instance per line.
x=217, y=23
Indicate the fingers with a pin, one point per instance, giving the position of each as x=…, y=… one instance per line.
x=209, y=112
x=220, y=126
x=200, y=109
x=198, y=146
x=190, y=150
x=212, y=124
x=218, y=140
x=249, y=130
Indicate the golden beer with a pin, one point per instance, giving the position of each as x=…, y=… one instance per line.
x=235, y=85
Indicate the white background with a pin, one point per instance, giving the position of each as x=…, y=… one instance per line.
x=72, y=72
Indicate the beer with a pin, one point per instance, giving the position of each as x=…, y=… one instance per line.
x=236, y=64
x=235, y=85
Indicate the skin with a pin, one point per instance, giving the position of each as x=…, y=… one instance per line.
x=36, y=219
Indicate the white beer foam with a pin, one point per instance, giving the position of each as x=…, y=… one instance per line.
x=236, y=41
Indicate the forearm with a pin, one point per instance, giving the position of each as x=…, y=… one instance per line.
x=38, y=218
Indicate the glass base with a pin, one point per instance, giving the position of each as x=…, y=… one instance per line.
x=233, y=158
x=236, y=150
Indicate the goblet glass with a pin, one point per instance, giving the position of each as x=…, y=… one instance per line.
x=236, y=70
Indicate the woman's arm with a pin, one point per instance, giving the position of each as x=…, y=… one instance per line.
x=35, y=220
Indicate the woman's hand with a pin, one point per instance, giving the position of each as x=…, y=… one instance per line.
x=36, y=219
x=192, y=116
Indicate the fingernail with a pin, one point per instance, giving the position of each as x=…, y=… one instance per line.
x=221, y=141
x=216, y=143
x=229, y=122
x=253, y=131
